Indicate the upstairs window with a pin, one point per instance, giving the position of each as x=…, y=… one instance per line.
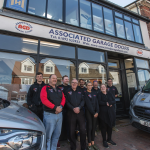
x=109, y=23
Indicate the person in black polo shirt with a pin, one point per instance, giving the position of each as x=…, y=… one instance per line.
x=81, y=86
x=33, y=96
x=113, y=90
x=64, y=87
x=95, y=88
x=75, y=103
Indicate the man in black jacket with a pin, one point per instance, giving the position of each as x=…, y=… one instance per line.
x=81, y=86
x=95, y=88
x=33, y=96
x=64, y=88
x=75, y=103
x=113, y=90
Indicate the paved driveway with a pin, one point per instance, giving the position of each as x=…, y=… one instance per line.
x=128, y=138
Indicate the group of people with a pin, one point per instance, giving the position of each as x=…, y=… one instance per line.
x=78, y=106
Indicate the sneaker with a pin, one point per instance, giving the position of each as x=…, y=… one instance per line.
x=95, y=147
x=90, y=148
x=115, y=129
x=105, y=144
x=95, y=133
x=112, y=143
x=58, y=145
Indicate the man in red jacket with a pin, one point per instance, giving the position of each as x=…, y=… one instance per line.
x=53, y=102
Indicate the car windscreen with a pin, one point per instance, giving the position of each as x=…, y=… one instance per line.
x=4, y=103
x=146, y=88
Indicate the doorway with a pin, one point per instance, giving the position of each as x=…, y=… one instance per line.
x=117, y=72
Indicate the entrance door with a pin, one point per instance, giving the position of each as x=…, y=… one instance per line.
x=115, y=73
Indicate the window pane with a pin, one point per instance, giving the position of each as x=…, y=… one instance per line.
x=54, y=10
x=143, y=76
x=115, y=76
x=113, y=63
x=14, y=79
x=85, y=54
x=137, y=33
x=118, y=14
x=18, y=5
x=54, y=49
x=142, y=63
x=109, y=24
x=98, y=18
x=129, y=63
x=18, y=44
x=127, y=18
x=131, y=80
x=120, y=28
x=60, y=68
x=85, y=14
x=129, y=31
x=72, y=12
x=94, y=72
x=135, y=21
x=37, y=7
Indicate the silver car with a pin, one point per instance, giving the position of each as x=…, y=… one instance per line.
x=140, y=109
x=20, y=129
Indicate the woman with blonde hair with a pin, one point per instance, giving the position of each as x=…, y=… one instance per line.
x=106, y=115
x=91, y=113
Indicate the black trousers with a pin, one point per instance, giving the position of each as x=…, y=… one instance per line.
x=105, y=130
x=38, y=110
x=74, y=120
x=91, y=125
x=65, y=119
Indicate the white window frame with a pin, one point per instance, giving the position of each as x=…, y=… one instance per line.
x=84, y=66
x=49, y=63
x=27, y=62
x=100, y=68
x=28, y=81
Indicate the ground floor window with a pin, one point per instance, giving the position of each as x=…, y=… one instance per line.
x=14, y=80
x=60, y=67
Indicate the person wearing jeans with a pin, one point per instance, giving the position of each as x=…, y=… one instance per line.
x=53, y=101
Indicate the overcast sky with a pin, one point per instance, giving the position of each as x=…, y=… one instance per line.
x=122, y=2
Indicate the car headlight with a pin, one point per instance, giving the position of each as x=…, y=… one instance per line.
x=11, y=139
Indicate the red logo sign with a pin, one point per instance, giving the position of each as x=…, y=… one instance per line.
x=23, y=27
x=139, y=52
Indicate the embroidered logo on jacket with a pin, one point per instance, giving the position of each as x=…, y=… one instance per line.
x=62, y=88
x=79, y=92
x=94, y=95
x=51, y=90
x=59, y=90
x=70, y=92
x=35, y=89
x=114, y=89
x=90, y=96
